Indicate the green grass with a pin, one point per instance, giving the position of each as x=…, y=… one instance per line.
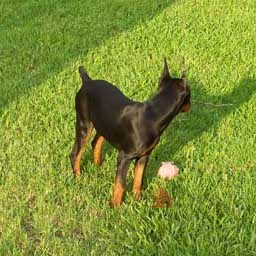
x=44, y=211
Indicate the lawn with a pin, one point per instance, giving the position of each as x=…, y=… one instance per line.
x=44, y=210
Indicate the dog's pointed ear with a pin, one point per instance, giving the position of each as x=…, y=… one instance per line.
x=165, y=74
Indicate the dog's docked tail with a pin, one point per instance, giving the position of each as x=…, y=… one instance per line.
x=84, y=76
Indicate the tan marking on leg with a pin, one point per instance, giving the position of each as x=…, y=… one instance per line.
x=137, y=181
x=80, y=153
x=118, y=193
x=97, y=150
x=186, y=108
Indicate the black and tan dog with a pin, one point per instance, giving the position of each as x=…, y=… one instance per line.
x=134, y=128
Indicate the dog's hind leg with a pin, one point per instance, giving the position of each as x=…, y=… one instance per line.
x=83, y=133
x=97, y=148
x=84, y=130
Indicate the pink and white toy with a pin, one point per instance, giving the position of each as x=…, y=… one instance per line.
x=168, y=170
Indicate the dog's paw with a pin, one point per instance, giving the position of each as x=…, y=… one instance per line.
x=137, y=195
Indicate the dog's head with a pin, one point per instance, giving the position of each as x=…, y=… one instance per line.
x=166, y=81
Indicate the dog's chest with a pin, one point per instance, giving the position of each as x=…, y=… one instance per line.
x=150, y=146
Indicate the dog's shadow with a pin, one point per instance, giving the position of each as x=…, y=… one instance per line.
x=207, y=112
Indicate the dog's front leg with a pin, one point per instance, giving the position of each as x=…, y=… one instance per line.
x=140, y=166
x=123, y=163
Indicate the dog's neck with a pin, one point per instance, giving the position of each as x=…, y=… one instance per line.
x=165, y=106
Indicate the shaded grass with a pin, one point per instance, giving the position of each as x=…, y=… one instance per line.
x=39, y=39
x=44, y=211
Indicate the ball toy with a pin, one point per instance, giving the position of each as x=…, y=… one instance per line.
x=168, y=170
